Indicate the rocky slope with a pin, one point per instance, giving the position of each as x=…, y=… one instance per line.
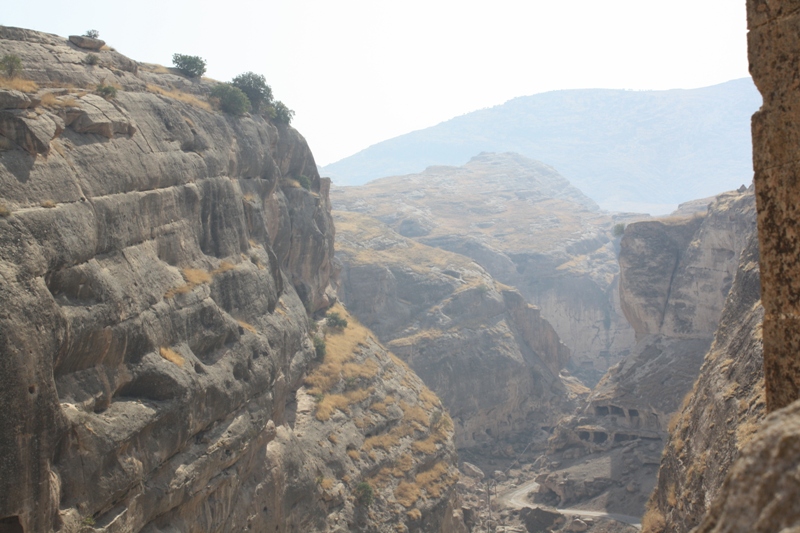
x=641, y=151
x=675, y=275
x=490, y=356
x=156, y=369
x=529, y=228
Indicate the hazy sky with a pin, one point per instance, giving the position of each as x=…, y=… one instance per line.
x=360, y=71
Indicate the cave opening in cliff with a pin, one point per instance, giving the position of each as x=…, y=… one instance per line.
x=618, y=411
x=601, y=410
x=11, y=524
x=599, y=437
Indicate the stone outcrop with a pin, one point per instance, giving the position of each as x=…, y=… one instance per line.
x=157, y=370
x=530, y=229
x=675, y=274
x=722, y=412
x=479, y=345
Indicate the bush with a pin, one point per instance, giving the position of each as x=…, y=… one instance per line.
x=231, y=99
x=363, y=493
x=92, y=59
x=92, y=34
x=305, y=182
x=618, y=230
x=281, y=113
x=10, y=65
x=4, y=211
x=319, y=347
x=256, y=88
x=107, y=91
x=334, y=320
x=191, y=66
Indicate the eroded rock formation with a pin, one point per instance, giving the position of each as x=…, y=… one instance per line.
x=479, y=345
x=530, y=229
x=158, y=266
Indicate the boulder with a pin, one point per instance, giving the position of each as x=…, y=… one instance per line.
x=14, y=100
x=471, y=470
x=537, y=520
x=86, y=42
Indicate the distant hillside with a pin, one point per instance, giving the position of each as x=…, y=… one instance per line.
x=627, y=150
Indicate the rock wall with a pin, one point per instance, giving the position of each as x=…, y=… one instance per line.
x=480, y=346
x=158, y=266
x=720, y=415
x=675, y=276
x=761, y=485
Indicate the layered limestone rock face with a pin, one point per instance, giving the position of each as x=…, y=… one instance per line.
x=675, y=276
x=675, y=273
x=722, y=412
x=479, y=345
x=772, y=45
x=158, y=266
x=530, y=229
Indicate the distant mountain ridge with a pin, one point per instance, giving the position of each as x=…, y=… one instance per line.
x=627, y=150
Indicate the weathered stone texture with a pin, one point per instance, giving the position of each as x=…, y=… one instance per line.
x=721, y=414
x=774, y=53
x=157, y=273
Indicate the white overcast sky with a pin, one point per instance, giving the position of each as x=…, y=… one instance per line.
x=357, y=72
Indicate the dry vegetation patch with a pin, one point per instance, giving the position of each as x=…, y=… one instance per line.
x=172, y=356
x=18, y=84
x=181, y=96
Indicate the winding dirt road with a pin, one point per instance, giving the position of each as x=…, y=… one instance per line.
x=517, y=498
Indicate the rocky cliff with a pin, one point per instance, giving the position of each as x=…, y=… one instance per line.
x=721, y=413
x=530, y=229
x=490, y=356
x=761, y=486
x=157, y=373
x=675, y=275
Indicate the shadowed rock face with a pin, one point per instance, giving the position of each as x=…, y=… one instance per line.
x=479, y=345
x=723, y=411
x=674, y=276
x=158, y=267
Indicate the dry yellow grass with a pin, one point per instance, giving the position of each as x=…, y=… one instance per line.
x=48, y=204
x=368, y=370
x=333, y=438
x=223, y=267
x=653, y=520
x=181, y=97
x=327, y=483
x=332, y=402
x=414, y=413
x=380, y=407
x=18, y=84
x=363, y=422
x=4, y=211
x=50, y=100
x=172, y=356
x=340, y=349
x=406, y=494
x=291, y=183
x=248, y=327
x=196, y=276
x=435, y=480
x=672, y=499
x=355, y=455
x=414, y=514
x=250, y=197
x=152, y=67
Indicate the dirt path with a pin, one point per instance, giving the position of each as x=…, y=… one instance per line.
x=517, y=498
